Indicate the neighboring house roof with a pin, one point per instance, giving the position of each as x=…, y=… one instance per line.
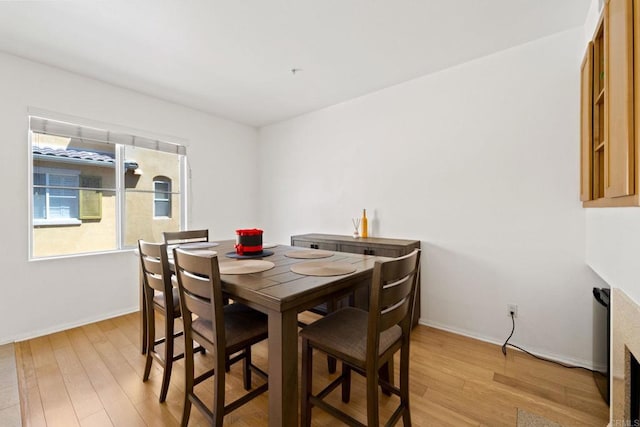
x=78, y=156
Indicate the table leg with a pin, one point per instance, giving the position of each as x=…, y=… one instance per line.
x=283, y=368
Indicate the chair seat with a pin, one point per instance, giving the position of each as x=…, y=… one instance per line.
x=242, y=325
x=344, y=333
x=158, y=300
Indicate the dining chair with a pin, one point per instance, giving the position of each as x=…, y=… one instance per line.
x=324, y=309
x=172, y=238
x=159, y=296
x=227, y=331
x=185, y=236
x=365, y=342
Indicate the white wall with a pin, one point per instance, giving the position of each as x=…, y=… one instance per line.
x=613, y=247
x=43, y=296
x=479, y=162
x=591, y=21
x=613, y=234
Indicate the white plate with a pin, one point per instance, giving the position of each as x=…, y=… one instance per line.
x=269, y=245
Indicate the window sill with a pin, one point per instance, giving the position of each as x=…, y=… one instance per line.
x=56, y=222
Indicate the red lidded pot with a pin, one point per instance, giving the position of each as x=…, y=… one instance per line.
x=249, y=241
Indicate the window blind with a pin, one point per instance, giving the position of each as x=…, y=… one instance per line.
x=69, y=130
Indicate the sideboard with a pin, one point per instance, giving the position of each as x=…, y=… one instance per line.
x=366, y=246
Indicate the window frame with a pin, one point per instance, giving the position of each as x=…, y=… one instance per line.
x=160, y=143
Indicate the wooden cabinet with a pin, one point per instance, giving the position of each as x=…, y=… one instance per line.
x=608, y=144
x=366, y=246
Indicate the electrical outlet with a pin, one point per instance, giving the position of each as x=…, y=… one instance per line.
x=512, y=308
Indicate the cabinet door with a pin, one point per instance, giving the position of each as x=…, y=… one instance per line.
x=636, y=112
x=619, y=154
x=586, y=125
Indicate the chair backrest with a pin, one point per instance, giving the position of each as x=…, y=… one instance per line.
x=186, y=236
x=156, y=274
x=200, y=289
x=392, y=298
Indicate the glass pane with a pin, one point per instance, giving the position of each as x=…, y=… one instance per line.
x=39, y=179
x=81, y=237
x=63, y=206
x=152, y=180
x=39, y=203
x=162, y=208
x=161, y=187
x=140, y=222
x=144, y=167
x=73, y=163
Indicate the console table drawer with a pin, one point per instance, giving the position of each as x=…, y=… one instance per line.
x=327, y=246
x=371, y=250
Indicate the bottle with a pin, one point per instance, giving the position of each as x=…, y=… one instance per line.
x=363, y=223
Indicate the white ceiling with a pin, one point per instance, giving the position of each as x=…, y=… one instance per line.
x=233, y=58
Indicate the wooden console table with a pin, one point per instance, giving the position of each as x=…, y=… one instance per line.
x=366, y=246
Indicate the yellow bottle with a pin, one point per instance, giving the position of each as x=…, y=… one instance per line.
x=363, y=223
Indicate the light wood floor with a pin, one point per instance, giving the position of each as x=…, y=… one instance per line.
x=92, y=376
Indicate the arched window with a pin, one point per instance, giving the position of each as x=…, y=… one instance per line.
x=161, y=197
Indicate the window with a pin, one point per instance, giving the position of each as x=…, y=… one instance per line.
x=96, y=190
x=162, y=197
x=55, y=196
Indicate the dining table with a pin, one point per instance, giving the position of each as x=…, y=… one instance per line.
x=281, y=294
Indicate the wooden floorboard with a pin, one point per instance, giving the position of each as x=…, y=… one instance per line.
x=92, y=376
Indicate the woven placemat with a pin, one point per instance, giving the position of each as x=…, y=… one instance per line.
x=323, y=268
x=308, y=254
x=245, y=266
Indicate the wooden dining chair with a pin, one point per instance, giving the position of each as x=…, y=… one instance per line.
x=159, y=296
x=227, y=331
x=185, y=236
x=364, y=342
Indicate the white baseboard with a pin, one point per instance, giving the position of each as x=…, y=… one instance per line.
x=551, y=356
x=65, y=326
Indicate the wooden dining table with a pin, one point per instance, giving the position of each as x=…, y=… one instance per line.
x=282, y=294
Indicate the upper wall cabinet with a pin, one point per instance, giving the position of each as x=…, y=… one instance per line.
x=609, y=146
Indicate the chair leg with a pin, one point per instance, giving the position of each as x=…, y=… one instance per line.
x=246, y=368
x=331, y=361
x=305, y=386
x=372, y=399
x=346, y=383
x=331, y=364
x=386, y=373
x=168, y=357
x=188, y=376
x=404, y=384
x=218, y=392
x=150, y=344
